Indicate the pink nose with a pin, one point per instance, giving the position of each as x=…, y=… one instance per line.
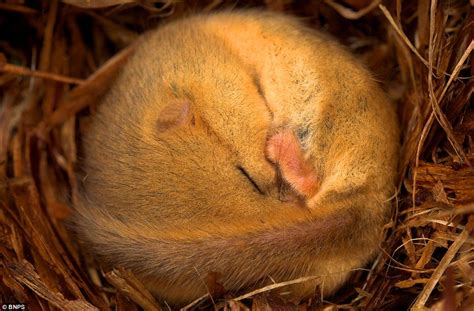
x=284, y=149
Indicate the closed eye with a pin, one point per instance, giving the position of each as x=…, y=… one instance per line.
x=249, y=178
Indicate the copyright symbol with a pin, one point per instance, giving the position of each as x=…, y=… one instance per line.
x=4, y=307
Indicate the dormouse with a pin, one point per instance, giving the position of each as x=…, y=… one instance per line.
x=242, y=145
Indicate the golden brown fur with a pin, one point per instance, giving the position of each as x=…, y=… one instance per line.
x=206, y=101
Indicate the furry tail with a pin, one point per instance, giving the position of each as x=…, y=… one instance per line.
x=286, y=245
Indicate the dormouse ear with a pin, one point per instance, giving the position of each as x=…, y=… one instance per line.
x=176, y=113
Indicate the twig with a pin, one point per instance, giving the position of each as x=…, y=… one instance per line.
x=194, y=302
x=274, y=286
x=45, y=57
x=402, y=35
x=442, y=266
x=126, y=283
x=457, y=69
x=349, y=13
x=23, y=71
x=17, y=8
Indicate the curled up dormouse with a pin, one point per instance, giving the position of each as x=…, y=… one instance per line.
x=242, y=145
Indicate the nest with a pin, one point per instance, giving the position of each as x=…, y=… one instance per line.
x=58, y=58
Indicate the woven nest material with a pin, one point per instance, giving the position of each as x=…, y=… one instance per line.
x=57, y=58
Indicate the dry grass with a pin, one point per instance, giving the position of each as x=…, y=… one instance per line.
x=57, y=59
